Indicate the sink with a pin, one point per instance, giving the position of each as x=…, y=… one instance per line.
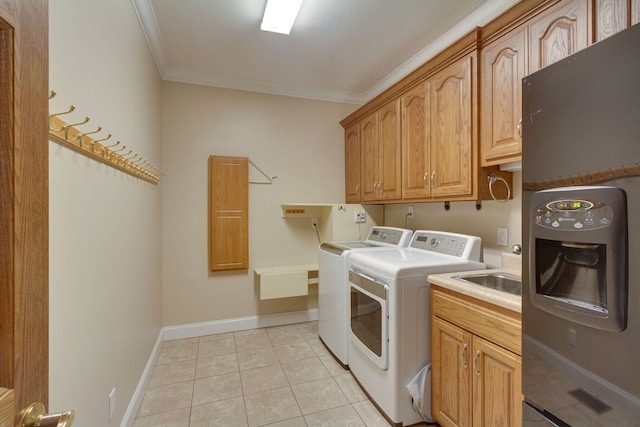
x=498, y=281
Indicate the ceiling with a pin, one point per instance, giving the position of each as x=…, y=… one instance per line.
x=338, y=50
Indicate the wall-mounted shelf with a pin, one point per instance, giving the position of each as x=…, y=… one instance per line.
x=304, y=210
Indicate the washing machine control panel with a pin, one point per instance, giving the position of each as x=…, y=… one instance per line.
x=389, y=235
x=458, y=245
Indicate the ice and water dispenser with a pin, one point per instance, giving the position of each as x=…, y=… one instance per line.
x=579, y=250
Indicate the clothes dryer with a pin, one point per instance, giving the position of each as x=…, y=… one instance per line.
x=390, y=321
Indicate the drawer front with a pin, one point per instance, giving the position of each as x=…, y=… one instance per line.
x=493, y=323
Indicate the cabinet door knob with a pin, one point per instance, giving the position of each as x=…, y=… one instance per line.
x=425, y=180
x=433, y=179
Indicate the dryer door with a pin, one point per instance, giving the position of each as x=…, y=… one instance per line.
x=369, y=322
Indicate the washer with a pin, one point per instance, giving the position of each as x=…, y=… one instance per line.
x=390, y=319
x=333, y=288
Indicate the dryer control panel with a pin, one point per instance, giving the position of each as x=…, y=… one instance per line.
x=453, y=244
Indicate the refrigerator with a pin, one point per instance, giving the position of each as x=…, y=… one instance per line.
x=581, y=238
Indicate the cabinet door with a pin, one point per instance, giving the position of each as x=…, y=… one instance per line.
x=228, y=213
x=557, y=33
x=352, y=163
x=415, y=142
x=609, y=17
x=389, y=161
x=497, y=385
x=451, y=129
x=370, y=156
x=450, y=374
x=504, y=64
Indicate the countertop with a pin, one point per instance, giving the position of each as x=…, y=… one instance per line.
x=511, y=266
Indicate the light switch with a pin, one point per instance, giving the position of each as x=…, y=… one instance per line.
x=503, y=237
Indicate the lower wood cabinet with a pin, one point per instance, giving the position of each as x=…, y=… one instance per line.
x=476, y=362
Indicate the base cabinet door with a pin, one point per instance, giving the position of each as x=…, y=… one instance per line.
x=497, y=385
x=450, y=374
x=476, y=370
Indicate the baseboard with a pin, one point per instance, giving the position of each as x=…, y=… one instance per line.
x=206, y=328
x=238, y=324
x=138, y=394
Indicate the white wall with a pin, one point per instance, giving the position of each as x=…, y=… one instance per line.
x=464, y=218
x=300, y=141
x=105, y=226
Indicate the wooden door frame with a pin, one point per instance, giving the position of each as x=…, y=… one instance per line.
x=24, y=204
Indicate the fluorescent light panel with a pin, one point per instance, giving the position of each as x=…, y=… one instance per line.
x=279, y=15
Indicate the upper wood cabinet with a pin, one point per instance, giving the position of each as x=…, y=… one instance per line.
x=558, y=32
x=438, y=122
x=504, y=64
x=352, y=163
x=381, y=150
x=453, y=122
x=418, y=140
x=609, y=17
x=548, y=35
x=416, y=143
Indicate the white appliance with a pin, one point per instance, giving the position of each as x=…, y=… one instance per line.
x=390, y=325
x=333, y=288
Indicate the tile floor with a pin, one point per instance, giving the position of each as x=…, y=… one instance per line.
x=278, y=376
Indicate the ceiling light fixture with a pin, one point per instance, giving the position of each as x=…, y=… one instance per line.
x=279, y=15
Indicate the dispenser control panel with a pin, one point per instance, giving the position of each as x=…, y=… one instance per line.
x=573, y=214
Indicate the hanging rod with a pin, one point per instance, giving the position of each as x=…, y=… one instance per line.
x=269, y=180
x=91, y=145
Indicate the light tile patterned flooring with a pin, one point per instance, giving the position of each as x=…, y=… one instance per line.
x=278, y=376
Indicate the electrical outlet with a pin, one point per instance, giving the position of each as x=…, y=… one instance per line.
x=410, y=211
x=314, y=223
x=359, y=216
x=112, y=403
x=503, y=237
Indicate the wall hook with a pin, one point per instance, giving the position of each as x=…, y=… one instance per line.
x=119, y=156
x=68, y=127
x=93, y=143
x=108, y=148
x=81, y=137
x=52, y=94
x=51, y=116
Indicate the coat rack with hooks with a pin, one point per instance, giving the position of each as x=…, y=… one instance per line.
x=116, y=155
